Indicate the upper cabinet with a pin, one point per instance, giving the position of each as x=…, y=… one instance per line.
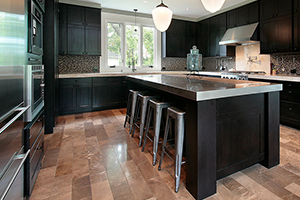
x=247, y=14
x=81, y=32
x=274, y=8
x=296, y=25
x=231, y=19
x=203, y=37
x=217, y=31
x=179, y=38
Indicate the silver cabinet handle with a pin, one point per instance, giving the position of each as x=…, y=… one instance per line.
x=22, y=109
x=23, y=157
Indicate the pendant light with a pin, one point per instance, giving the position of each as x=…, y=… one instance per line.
x=162, y=16
x=213, y=5
x=135, y=10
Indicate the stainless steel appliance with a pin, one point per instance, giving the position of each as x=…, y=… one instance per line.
x=13, y=50
x=35, y=29
x=240, y=75
x=34, y=90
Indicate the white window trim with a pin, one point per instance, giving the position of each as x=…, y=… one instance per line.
x=125, y=20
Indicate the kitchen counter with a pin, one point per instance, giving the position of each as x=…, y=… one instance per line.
x=229, y=124
x=200, y=88
x=293, y=78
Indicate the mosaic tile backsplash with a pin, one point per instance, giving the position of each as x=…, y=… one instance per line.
x=210, y=64
x=284, y=63
x=70, y=64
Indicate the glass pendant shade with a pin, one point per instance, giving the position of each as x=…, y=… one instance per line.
x=213, y=5
x=162, y=17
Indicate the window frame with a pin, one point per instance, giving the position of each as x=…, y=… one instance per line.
x=141, y=23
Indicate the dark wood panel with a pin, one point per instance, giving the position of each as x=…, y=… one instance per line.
x=93, y=41
x=93, y=17
x=267, y=36
x=290, y=110
x=232, y=19
x=84, y=97
x=67, y=98
x=75, y=15
x=297, y=32
x=76, y=42
x=203, y=38
x=283, y=32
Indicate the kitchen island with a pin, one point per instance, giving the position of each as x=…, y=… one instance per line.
x=230, y=124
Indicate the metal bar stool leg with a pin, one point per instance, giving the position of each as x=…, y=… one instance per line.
x=136, y=116
x=179, y=137
x=164, y=142
x=147, y=126
x=157, y=120
x=143, y=117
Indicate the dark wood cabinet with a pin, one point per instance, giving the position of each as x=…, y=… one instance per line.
x=33, y=137
x=109, y=92
x=81, y=34
x=179, y=38
x=247, y=14
x=176, y=39
x=89, y=94
x=276, y=35
x=297, y=31
x=75, y=95
x=231, y=19
x=217, y=31
x=203, y=38
x=274, y=8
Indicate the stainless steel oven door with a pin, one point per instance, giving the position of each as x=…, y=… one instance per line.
x=34, y=90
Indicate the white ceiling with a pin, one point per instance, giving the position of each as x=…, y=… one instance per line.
x=185, y=9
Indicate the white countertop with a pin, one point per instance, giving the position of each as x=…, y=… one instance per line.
x=199, y=88
x=293, y=78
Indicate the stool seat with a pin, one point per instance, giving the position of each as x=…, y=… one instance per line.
x=155, y=108
x=179, y=117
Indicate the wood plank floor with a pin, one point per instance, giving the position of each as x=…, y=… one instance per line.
x=91, y=156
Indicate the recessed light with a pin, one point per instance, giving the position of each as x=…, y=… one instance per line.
x=145, y=1
x=187, y=9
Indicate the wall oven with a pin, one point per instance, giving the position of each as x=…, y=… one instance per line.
x=34, y=90
x=35, y=41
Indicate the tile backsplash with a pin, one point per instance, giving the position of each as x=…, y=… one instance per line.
x=284, y=63
x=71, y=64
x=210, y=64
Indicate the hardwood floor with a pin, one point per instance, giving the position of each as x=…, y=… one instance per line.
x=92, y=156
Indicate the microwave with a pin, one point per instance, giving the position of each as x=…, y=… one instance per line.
x=35, y=40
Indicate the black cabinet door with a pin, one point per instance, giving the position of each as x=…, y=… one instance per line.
x=67, y=98
x=267, y=9
x=84, y=96
x=283, y=31
x=93, y=41
x=284, y=7
x=76, y=43
x=297, y=32
x=108, y=92
x=191, y=35
x=176, y=39
x=75, y=15
x=253, y=12
x=296, y=6
x=203, y=37
x=232, y=19
x=62, y=13
x=93, y=17
x=217, y=31
x=267, y=36
x=62, y=39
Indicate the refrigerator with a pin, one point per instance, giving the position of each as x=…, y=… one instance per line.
x=13, y=48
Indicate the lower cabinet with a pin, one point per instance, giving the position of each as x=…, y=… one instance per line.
x=33, y=138
x=109, y=92
x=75, y=95
x=289, y=103
x=79, y=95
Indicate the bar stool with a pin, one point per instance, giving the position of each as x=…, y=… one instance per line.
x=178, y=116
x=155, y=107
x=140, y=114
x=131, y=104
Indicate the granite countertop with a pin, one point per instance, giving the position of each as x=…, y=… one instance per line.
x=200, y=88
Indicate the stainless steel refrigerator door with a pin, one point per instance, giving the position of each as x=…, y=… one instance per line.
x=12, y=156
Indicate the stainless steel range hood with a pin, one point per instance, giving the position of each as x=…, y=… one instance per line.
x=241, y=35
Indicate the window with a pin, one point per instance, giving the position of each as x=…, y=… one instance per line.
x=114, y=47
x=128, y=44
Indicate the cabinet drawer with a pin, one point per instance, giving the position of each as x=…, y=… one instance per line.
x=74, y=81
x=290, y=110
x=290, y=92
x=107, y=79
x=35, y=159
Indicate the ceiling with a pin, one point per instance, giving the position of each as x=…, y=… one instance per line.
x=190, y=9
